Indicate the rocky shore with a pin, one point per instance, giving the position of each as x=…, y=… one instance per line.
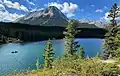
x=4, y=40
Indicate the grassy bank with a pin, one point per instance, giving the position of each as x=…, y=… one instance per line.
x=79, y=67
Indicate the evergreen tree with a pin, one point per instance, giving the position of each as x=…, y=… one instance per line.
x=48, y=55
x=112, y=37
x=81, y=53
x=75, y=47
x=70, y=33
x=105, y=54
x=98, y=55
x=37, y=64
x=110, y=56
x=87, y=57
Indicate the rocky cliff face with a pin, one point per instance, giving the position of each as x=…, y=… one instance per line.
x=50, y=16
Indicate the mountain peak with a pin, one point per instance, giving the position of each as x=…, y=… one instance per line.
x=52, y=7
x=50, y=16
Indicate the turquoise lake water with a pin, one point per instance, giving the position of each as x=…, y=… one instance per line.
x=28, y=53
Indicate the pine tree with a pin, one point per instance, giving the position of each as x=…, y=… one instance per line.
x=48, y=55
x=37, y=64
x=105, y=54
x=81, y=53
x=87, y=57
x=112, y=38
x=110, y=56
x=75, y=47
x=98, y=55
x=70, y=33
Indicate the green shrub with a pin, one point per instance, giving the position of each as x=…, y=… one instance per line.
x=89, y=67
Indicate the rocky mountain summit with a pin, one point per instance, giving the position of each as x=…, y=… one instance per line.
x=50, y=16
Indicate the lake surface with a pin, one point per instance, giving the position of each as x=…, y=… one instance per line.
x=28, y=53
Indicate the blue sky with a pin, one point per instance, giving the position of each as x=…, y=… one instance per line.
x=77, y=9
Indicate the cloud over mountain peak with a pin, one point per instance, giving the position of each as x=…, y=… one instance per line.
x=66, y=8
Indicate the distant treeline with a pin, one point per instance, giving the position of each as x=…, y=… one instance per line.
x=30, y=33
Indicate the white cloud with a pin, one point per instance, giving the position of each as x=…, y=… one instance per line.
x=105, y=17
x=30, y=2
x=9, y=4
x=9, y=16
x=15, y=5
x=99, y=10
x=59, y=6
x=70, y=14
x=22, y=7
x=1, y=1
x=93, y=5
x=2, y=7
x=105, y=7
x=82, y=10
x=67, y=8
x=6, y=15
x=36, y=9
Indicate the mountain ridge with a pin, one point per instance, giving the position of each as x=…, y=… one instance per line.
x=45, y=17
x=52, y=16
